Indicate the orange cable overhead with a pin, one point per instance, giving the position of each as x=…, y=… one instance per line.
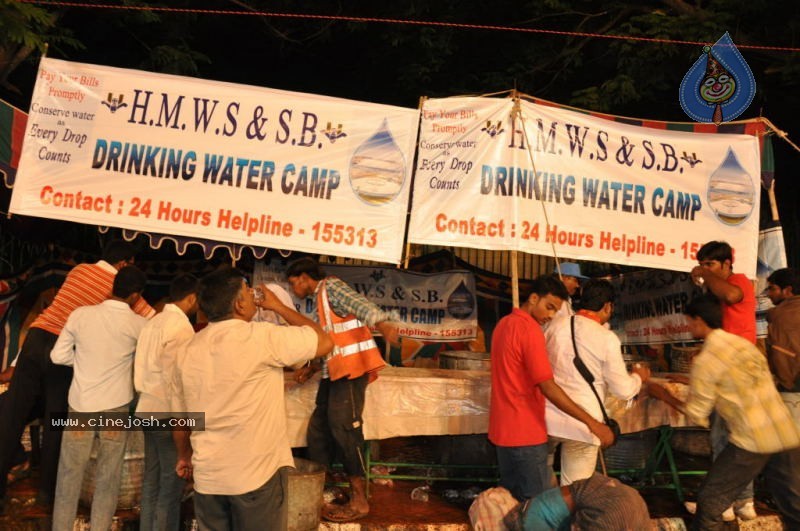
x=429, y=23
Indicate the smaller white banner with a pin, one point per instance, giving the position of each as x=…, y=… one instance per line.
x=431, y=307
x=650, y=305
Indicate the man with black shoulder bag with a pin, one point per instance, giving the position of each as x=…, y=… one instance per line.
x=587, y=362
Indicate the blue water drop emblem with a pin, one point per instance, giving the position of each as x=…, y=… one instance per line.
x=731, y=193
x=461, y=303
x=378, y=169
x=719, y=86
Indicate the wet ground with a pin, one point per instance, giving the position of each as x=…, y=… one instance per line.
x=445, y=501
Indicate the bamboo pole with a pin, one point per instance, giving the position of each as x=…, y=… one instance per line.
x=422, y=100
x=514, y=279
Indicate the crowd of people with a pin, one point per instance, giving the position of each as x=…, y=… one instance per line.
x=100, y=350
x=553, y=364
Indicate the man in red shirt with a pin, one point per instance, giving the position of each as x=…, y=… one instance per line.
x=37, y=380
x=735, y=292
x=521, y=379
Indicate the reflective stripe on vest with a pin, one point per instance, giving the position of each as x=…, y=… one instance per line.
x=338, y=328
x=349, y=350
x=355, y=352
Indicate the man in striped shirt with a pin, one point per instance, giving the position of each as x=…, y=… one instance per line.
x=37, y=379
x=731, y=376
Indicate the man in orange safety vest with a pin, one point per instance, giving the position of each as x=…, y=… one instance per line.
x=336, y=424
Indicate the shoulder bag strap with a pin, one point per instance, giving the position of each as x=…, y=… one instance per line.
x=584, y=370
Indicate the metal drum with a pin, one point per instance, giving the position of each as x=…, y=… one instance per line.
x=681, y=358
x=306, y=485
x=304, y=499
x=692, y=441
x=631, y=450
x=631, y=359
x=465, y=360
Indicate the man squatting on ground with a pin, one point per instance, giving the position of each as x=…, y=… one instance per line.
x=596, y=503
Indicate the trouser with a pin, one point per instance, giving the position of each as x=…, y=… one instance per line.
x=76, y=450
x=719, y=440
x=335, y=428
x=524, y=470
x=733, y=469
x=263, y=509
x=18, y=454
x=37, y=382
x=162, y=488
x=578, y=459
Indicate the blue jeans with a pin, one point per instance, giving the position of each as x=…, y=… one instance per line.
x=162, y=488
x=524, y=470
x=76, y=450
x=719, y=440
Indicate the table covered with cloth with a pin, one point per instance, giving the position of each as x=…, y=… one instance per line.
x=412, y=401
x=644, y=412
x=404, y=402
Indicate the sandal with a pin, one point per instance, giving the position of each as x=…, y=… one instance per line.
x=19, y=472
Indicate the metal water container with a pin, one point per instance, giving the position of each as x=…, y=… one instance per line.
x=306, y=485
x=465, y=360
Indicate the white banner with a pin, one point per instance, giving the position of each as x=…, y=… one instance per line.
x=771, y=257
x=212, y=160
x=431, y=306
x=613, y=192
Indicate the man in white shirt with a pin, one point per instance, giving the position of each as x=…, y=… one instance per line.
x=156, y=352
x=232, y=370
x=600, y=350
x=98, y=342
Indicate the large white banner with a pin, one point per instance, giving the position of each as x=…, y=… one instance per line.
x=219, y=161
x=613, y=192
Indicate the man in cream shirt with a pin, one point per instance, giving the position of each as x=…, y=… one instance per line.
x=153, y=369
x=232, y=371
x=99, y=342
x=600, y=350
